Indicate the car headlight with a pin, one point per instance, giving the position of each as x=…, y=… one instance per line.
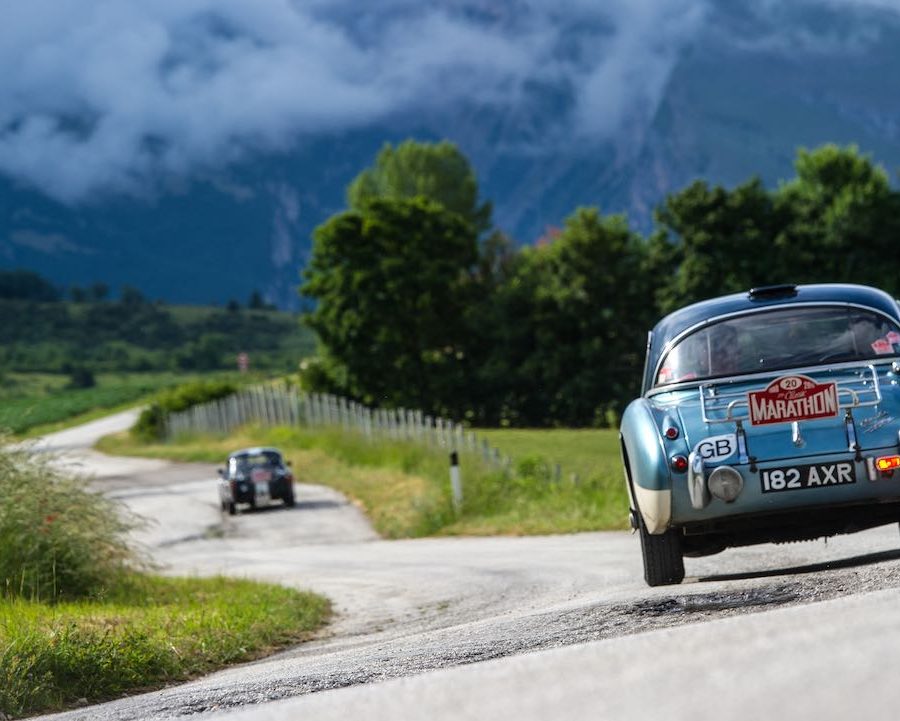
x=725, y=483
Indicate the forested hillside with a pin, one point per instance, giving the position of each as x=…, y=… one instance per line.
x=42, y=332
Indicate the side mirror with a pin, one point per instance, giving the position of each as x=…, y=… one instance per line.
x=221, y=472
x=289, y=463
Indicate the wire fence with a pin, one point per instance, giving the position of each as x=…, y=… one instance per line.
x=283, y=405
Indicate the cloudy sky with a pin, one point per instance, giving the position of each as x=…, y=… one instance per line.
x=107, y=94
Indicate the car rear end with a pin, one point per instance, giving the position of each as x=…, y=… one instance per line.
x=773, y=463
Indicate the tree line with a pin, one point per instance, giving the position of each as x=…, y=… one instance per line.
x=420, y=302
x=42, y=332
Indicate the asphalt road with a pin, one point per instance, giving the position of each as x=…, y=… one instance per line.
x=529, y=628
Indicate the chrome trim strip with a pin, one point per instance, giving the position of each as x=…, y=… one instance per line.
x=644, y=378
x=697, y=488
x=753, y=311
x=743, y=456
x=852, y=444
x=796, y=435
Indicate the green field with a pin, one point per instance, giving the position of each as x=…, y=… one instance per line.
x=40, y=402
x=587, y=453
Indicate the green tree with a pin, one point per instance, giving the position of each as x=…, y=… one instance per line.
x=438, y=171
x=99, y=292
x=391, y=284
x=26, y=285
x=711, y=241
x=843, y=220
x=838, y=220
x=256, y=302
x=131, y=297
x=206, y=353
x=566, y=327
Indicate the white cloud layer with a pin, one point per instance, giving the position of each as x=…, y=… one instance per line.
x=100, y=95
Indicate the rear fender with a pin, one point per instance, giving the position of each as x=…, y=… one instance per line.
x=646, y=465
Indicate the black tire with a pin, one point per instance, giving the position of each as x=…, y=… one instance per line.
x=289, y=500
x=663, y=561
x=232, y=508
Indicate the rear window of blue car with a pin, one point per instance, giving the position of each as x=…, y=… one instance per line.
x=779, y=339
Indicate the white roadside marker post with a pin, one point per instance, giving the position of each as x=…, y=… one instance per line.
x=455, y=482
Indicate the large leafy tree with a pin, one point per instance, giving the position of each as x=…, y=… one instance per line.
x=843, y=219
x=391, y=283
x=566, y=327
x=438, y=171
x=838, y=220
x=712, y=240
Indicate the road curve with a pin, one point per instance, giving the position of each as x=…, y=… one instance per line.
x=782, y=624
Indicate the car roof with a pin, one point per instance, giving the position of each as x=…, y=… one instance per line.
x=253, y=451
x=676, y=323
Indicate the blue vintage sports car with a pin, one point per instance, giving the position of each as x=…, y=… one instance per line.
x=766, y=416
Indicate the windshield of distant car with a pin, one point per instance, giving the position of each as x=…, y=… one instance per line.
x=780, y=339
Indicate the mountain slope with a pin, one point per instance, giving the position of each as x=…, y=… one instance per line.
x=747, y=90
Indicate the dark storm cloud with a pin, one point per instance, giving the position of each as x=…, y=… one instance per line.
x=107, y=94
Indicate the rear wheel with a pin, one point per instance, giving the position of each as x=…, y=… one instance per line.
x=232, y=508
x=663, y=561
x=289, y=499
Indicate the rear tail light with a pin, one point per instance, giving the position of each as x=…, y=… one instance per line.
x=887, y=463
x=679, y=463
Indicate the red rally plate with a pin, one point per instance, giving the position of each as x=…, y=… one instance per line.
x=793, y=398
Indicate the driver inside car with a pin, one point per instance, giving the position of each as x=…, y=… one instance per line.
x=724, y=353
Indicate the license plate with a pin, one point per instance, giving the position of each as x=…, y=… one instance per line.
x=814, y=475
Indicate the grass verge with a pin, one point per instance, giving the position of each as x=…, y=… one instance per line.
x=79, y=618
x=148, y=632
x=404, y=487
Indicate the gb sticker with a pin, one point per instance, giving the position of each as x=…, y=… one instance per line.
x=717, y=448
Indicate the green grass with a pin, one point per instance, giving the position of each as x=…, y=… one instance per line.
x=150, y=632
x=404, y=488
x=34, y=403
x=591, y=454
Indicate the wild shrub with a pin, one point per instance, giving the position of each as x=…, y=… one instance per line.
x=58, y=540
x=80, y=377
x=151, y=423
